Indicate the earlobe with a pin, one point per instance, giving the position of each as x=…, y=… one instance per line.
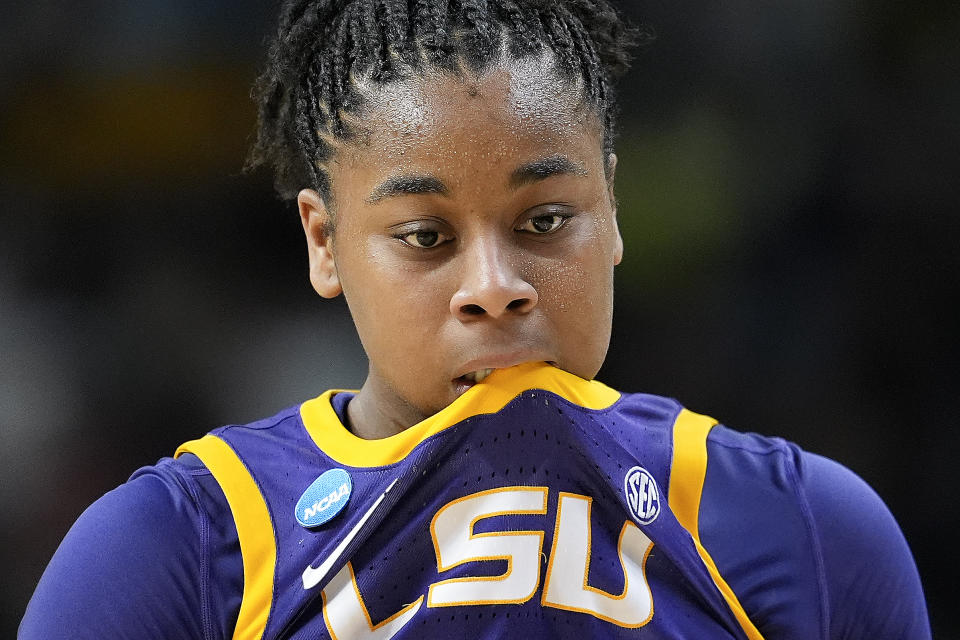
x=317, y=228
x=618, y=240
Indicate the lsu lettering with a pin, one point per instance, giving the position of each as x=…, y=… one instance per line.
x=565, y=580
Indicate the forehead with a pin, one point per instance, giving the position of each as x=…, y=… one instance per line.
x=451, y=121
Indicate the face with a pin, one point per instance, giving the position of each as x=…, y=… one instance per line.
x=473, y=228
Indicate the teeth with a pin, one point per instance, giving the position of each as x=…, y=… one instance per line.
x=477, y=376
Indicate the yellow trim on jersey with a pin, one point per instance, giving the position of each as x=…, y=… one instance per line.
x=688, y=470
x=489, y=396
x=258, y=545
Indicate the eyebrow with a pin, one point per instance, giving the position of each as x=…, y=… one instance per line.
x=407, y=184
x=525, y=174
x=544, y=168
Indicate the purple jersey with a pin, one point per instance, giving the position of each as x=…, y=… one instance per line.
x=537, y=503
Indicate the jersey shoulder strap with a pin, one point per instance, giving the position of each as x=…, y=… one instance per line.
x=258, y=545
x=688, y=469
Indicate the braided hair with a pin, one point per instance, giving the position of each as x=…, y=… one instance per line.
x=324, y=49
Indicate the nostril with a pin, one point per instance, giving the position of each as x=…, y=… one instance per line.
x=518, y=303
x=472, y=309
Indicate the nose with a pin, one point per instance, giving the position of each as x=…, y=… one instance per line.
x=491, y=286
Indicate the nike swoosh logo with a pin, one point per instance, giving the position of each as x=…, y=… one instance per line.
x=312, y=576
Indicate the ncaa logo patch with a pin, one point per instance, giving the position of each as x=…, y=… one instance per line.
x=324, y=498
x=643, y=495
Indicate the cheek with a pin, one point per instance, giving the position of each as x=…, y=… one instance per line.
x=576, y=295
x=561, y=284
x=579, y=281
x=388, y=297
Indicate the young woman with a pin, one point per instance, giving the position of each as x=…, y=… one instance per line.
x=453, y=167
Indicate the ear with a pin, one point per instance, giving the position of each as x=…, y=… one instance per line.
x=618, y=248
x=317, y=226
x=611, y=170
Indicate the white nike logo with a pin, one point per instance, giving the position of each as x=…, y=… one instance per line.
x=313, y=576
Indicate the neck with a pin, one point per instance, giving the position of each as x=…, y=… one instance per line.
x=376, y=412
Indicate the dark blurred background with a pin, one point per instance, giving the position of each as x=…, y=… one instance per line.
x=788, y=199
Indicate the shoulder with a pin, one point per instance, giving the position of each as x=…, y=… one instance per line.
x=809, y=547
x=643, y=418
x=262, y=437
x=159, y=537
x=648, y=408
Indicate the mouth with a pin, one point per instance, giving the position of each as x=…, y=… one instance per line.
x=474, y=377
x=469, y=379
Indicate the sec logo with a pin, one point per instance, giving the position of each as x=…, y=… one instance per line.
x=643, y=495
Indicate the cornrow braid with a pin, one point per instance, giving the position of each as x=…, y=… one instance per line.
x=396, y=17
x=327, y=53
x=431, y=31
x=478, y=32
x=558, y=34
x=581, y=49
x=596, y=85
x=528, y=34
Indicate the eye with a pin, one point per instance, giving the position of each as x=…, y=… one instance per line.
x=423, y=239
x=543, y=224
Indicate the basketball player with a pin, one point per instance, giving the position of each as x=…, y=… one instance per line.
x=453, y=167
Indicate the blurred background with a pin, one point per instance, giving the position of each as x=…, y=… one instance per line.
x=788, y=199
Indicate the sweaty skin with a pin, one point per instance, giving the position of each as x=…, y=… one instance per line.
x=467, y=232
